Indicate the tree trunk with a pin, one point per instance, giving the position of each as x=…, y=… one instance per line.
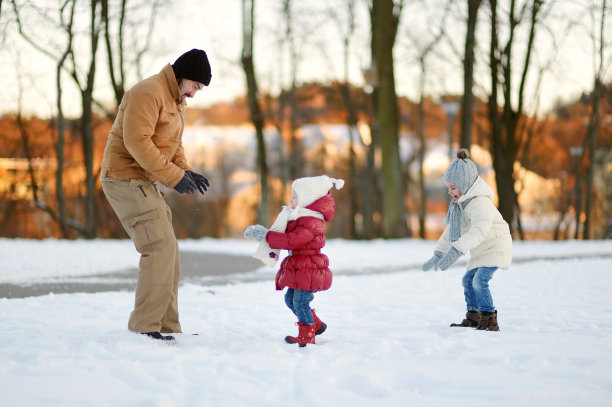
x=61, y=128
x=384, y=29
x=351, y=122
x=421, y=132
x=578, y=192
x=295, y=154
x=594, y=125
x=87, y=139
x=467, y=101
x=86, y=126
x=353, y=135
x=506, y=139
x=421, y=118
x=61, y=218
x=503, y=168
x=370, y=182
x=254, y=106
x=115, y=78
x=592, y=145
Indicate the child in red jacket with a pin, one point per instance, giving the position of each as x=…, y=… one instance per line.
x=300, y=229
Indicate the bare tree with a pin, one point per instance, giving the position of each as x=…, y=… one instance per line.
x=66, y=19
x=370, y=185
x=506, y=142
x=295, y=154
x=424, y=50
x=86, y=97
x=591, y=136
x=70, y=61
x=347, y=31
x=59, y=187
x=117, y=78
x=86, y=87
x=467, y=100
x=385, y=20
x=117, y=39
x=248, y=31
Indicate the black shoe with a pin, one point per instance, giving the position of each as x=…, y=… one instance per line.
x=157, y=335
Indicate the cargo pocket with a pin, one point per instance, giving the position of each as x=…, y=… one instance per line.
x=146, y=229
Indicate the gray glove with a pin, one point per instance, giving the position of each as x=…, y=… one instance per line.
x=449, y=258
x=256, y=232
x=433, y=262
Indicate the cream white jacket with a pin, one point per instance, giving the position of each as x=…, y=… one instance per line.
x=486, y=235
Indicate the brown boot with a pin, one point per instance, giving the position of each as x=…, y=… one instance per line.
x=472, y=318
x=488, y=321
x=306, y=335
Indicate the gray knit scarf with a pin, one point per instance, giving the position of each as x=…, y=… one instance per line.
x=455, y=217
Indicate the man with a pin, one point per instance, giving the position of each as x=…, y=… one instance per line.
x=145, y=148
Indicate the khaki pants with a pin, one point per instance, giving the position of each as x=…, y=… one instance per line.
x=148, y=221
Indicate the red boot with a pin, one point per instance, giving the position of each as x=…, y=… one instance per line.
x=306, y=335
x=320, y=326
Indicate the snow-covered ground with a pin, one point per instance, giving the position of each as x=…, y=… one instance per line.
x=388, y=343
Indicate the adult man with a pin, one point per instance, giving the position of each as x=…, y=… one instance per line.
x=145, y=148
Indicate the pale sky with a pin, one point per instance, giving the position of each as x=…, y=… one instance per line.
x=216, y=27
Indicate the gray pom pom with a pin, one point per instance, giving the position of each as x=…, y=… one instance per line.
x=463, y=153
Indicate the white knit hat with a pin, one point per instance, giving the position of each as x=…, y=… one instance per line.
x=309, y=189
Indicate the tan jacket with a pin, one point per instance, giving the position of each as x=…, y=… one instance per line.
x=486, y=236
x=145, y=141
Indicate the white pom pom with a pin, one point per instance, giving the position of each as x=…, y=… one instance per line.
x=338, y=182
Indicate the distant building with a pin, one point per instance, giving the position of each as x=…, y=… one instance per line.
x=16, y=182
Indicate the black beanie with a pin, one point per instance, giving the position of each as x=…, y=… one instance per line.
x=193, y=65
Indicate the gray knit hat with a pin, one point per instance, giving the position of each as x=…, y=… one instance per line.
x=462, y=171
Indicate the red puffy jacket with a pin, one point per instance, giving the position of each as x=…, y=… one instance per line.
x=307, y=268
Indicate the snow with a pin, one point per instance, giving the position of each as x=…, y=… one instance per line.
x=388, y=343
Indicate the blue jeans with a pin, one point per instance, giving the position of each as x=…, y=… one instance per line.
x=476, y=289
x=298, y=302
